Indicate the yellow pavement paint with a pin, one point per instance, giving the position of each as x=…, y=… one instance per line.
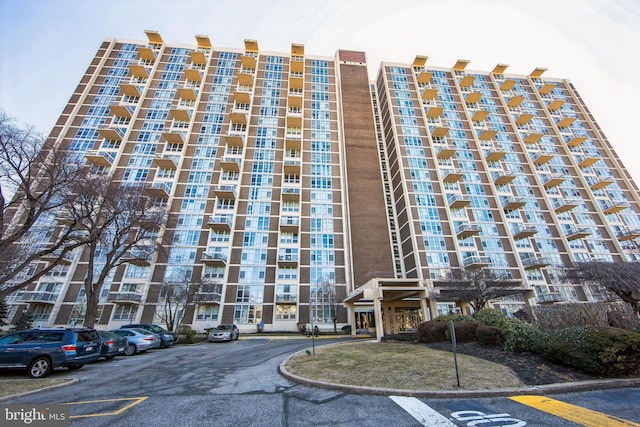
x=582, y=416
x=135, y=401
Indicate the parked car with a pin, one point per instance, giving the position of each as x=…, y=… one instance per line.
x=43, y=350
x=112, y=344
x=224, y=332
x=138, y=340
x=168, y=338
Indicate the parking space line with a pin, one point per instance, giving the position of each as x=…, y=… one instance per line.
x=577, y=414
x=422, y=412
x=136, y=400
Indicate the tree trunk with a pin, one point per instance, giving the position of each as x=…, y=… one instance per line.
x=92, y=309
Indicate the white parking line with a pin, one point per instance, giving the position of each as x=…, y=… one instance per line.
x=421, y=412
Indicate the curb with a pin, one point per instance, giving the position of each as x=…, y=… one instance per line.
x=37, y=390
x=572, y=387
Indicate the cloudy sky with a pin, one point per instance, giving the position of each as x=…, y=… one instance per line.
x=46, y=45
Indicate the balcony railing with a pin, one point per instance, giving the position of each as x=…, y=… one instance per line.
x=531, y=263
x=476, y=262
x=37, y=296
x=125, y=297
x=214, y=258
x=221, y=222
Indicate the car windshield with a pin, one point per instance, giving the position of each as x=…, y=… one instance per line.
x=224, y=328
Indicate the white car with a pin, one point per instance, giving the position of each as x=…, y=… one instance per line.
x=225, y=332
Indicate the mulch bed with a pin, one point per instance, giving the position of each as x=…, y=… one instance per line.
x=530, y=367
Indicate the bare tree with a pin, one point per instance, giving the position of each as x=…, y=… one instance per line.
x=35, y=182
x=621, y=278
x=477, y=286
x=119, y=225
x=178, y=294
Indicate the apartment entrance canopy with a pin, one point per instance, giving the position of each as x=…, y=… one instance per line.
x=384, y=295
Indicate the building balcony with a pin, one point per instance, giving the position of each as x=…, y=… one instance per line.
x=512, y=203
x=515, y=101
x=292, y=166
x=565, y=122
x=479, y=115
x=425, y=77
x=550, y=298
x=502, y=178
x=216, y=258
x=467, y=81
x=100, y=158
x=522, y=232
x=290, y=193
x=120, y=110
x=146, y=53
x=225, y=191
x=628, y=234
x=486, y=134
x=187, y=93
x=560, y=205
x=473, y=262
x=129, y=90
x=233, y=140
x=575, y=233
x=161, y=190
x=296, y=82
x=124, y=297
x=181, y=114
x=532, y=263
x=287, y=259
x=58, y=256
x=452, y=175
x=238, y=116
x=445, y=151
x=245, y=79
x=193, y=74
x=601, y=183
x=112, y=133
x=286, y=298
x=174, y=136
x=473, y=98
x=433, y=112
x=289, y=223
x=294, y=99
x=524, y=118
x=198, y=57
x=542, y=158
x=464, y=231
x=221, y=222
x=495, y=155
x=576, y=141
x=554, y=181
x=458, y=201
x=438, y=131
x=507, y=85
x=429, y=93
x=207, y=297
x=586, y=161
x=138, y=257
x=138, y=71
x=37, y=297
x=166, y=161
x=231, y=163
x=556, y=105
x=611, y=208
x=532, y=137
x=248, y=62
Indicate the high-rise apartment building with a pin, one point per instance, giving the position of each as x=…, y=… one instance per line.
x=290, y=178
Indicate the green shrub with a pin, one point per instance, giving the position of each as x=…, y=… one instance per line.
x=489, y=335
x=597, y=350
x=455, y=318
x=491, y=317
x=465, y=331
x=432, y=331
x=189, y=335
x=519, y=336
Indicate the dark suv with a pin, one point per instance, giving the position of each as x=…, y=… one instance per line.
x=168, y=338
x=42, y=350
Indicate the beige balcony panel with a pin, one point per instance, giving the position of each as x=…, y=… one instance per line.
x=479, y=115
x=203, y=42
x=248, y=62
x=524, y=119
x=154, y=37
x=507, y=85
x=251, y=45
x=460, y=64
x=138, y=71
x=547, y=88
x=425, y=77
x=499, y=69
x=473, y=98
x=420, y=61
x=515, y=101
x=576, y=141
x=129, y=90
x=146, y=53
x=429, y=94
x=198, y=58
x=187, y=93
x=467, y=81
x=556, y=105
x=193, y=75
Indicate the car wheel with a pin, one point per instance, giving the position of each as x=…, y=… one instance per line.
x=110, y=357
x=74, y=367
x=130, y=350
x=40, y=367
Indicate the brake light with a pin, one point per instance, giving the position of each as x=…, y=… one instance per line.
x=110, y=342
x=69, y=347
x=148, y=339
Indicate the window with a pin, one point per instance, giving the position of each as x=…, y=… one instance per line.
x=208, y=312
x=286, y=311
x=124, y=312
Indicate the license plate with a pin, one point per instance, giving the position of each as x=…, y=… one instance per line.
x=88, y=348
x=121, y=349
